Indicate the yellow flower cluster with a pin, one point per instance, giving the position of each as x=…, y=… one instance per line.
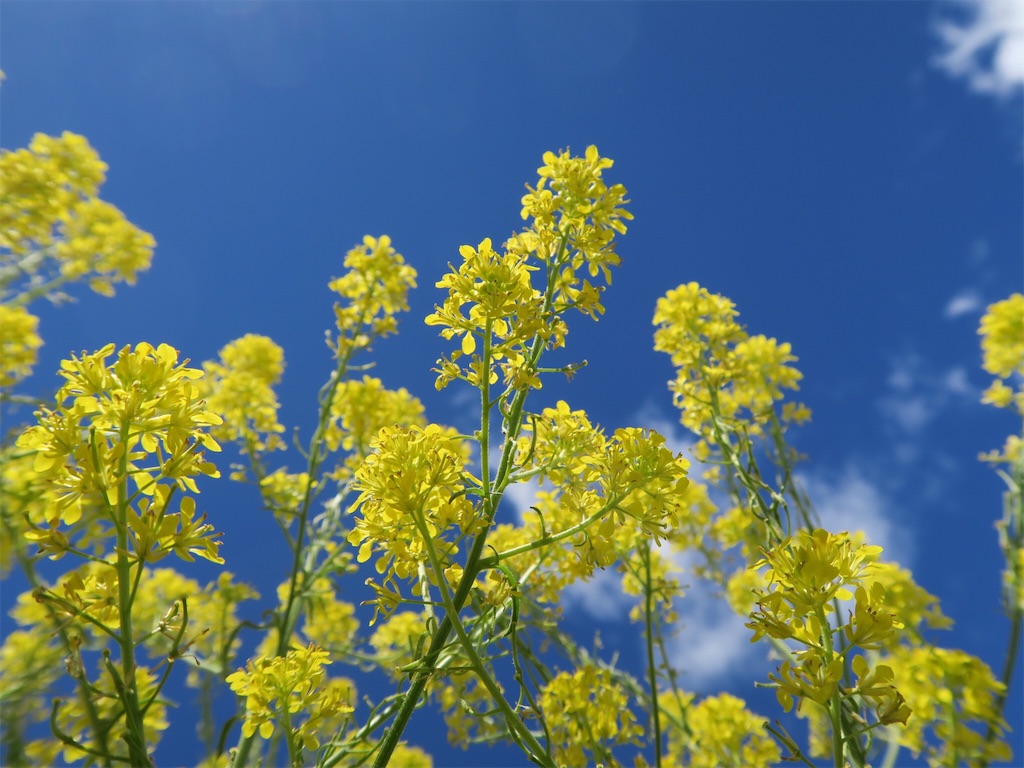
x=587, y=711
x=376, y=287
x=76, y=719
x=917, y=608
x=290, y=692
x=41, y=183
x=397, y=639
x=31, y=663
x=240, y=388
x=723, y=374
x=405, y=756
x=328, y=623
x=411, y=496
x=612, y=493
x=24, y=497
x=284, y=492
x=1002, y=332
x=468, y=709
x=575, y=217
x=718, y=731
x=129, y=432
x=18, y=344
x=572, y=202
x=97, y=239
x=1002, y=344
x=180, y=617
x=505, y=313
x=48, y=206
x=357, y=413
x=951, y=693
x=806, y=575
x=34, y=658
x=650, y=569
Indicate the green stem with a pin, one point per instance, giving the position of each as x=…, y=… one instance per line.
x=652, y=670
x=136, y=737
x=535, y=751
x=552, y=538
x=835, y=704
x=1011, y=534
x=992, y=731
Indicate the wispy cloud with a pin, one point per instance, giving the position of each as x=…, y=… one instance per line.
x=965, y=302
x=917, y=396
x=849, y=500
x=711, y=646
x=985, y=46
x=600, y=597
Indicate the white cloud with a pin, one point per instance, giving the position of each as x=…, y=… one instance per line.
x=956, y=382
x=966, y=302
x=986, y=48
x=711, y=646
x=600, y=597
x=917, y=396
x=850, y=501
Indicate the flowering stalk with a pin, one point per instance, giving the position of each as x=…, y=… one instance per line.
x=1002, y=332
x=515, y=325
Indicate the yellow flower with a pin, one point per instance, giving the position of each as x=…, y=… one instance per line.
x=411, y=499
x=405, y=756
x=30, y=666
x=361, y=408
x=914, y=606
x=811, y=568
x=56, y=229
x=18, y=344
x=329, y=623
x=239, y=388
x=282, y=492
x=288, y=690
x=376, y=288
x=99, y=240
x=954, y=697
x=723, y=374
x=1002, y=337
x=504, y=310
x=586, y=710
x=397, y=639
x=125, y=432
x=39, y=184
x=720, y=731
x=499, y=317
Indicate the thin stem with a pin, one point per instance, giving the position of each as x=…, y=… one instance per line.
x=552, y=538
x=135, y=737
x=288, y=618
x=536, y=752
x=835, y=704
x=992, y=731
x=652, y=670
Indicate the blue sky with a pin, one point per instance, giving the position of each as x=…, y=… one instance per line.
x=848, y=173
